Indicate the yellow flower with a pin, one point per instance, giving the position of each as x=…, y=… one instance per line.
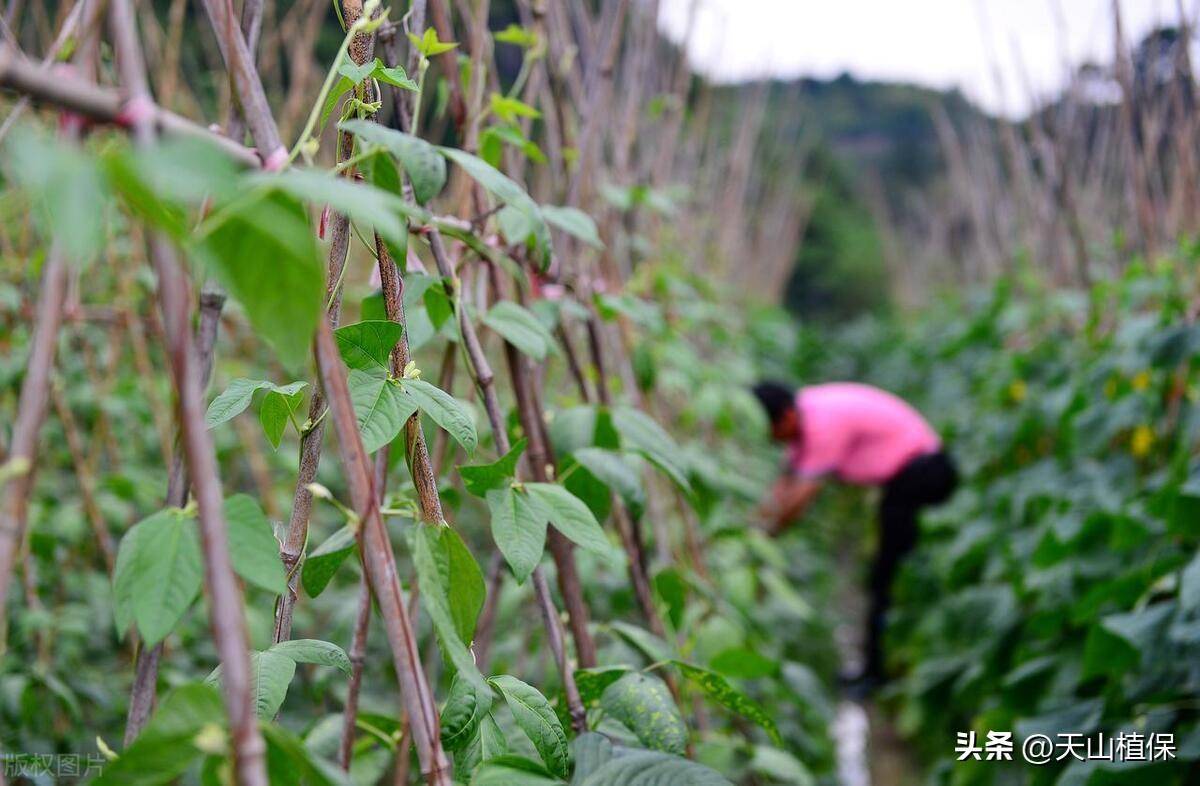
x=1141, y=380
x=1141, y=441
x=1110, y=388
x=1017, y=391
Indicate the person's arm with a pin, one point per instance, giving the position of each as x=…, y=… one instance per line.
x=790, y=498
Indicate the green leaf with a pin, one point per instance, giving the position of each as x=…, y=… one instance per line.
x=368, y=345
x=1189, y=585
x=380, y=407
x=322, y=653
x=331, y=101
x=511, y=110
x=519, y=529
x=649, y=768
x=394, y=76
x=426, y=169
x=520, y=328
x=278, y=409
x=270, y=675
x=719, y=690
x=67, y=188
x=291, y=761
x=166, y=748
x=644, y=705
x=575, y=222
x=233, y=400
x=640, y=433
x=511, y=770
x=479, y=479
x=363, y=203
x=615, y=471
x=536, y=718
x=252, y=544
x=592, y=682
x=460, y=577
x=591, y=752
x=323, y=562
x=445, y=410
x=354, y=72
x=517, y=35
x=508, y=192
x=487, y=743
x=654, y=648
x=743, y=663
x=444, y=602
x=572, y=518
x=465, y=708
x=162, y=572
x=264, y=253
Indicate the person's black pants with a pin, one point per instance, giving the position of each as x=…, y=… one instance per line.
x=926, y=480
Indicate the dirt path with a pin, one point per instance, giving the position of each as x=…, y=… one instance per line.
x=869, y=751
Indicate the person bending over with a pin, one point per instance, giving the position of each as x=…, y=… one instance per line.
x=863, y=436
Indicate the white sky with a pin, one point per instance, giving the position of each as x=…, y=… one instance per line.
x=942, y=43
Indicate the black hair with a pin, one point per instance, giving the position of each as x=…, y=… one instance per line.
x=776, y=398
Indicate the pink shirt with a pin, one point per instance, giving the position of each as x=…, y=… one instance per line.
x=861, y=434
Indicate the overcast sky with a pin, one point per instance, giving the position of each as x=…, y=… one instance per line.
x=943, y=43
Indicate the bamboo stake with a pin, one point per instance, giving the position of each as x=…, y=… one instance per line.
x=225, y=597
x=361, y=50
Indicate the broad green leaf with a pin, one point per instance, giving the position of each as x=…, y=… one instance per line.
x=517, y=35
x=520, y=328
x=393, y=75
x=166, y=748
x=650, y=768
x=264, y=254
x=575, y=222
x=536, y=718
x=163, y=572
x=653, y=647
x=439, y=600
x=644, y=705
x=508, y=192
x=289, y=760
x=385, y=213
x=67, y=188
x=487, y=743
x=445, y=410
x=743, y=663
x=479, y=479
x=277, y=410
x=1189, y=585
x=322, y=653
x=233, y=400
x=592, y=682
x=380, y=406
x=781, y=766
x=465, y=708
x=252, y=544
x=428, y=44
x=354, y=72
x=639, y=432
x=331, y=101
x=368, y=345
x=511, y=770
x=591, y=752
x=572, y=518
x=270, y=675
x=519, y=529
x=616, y=472
x=323, y=562
x=460, y=577
x=719, y=690
x=425, y=168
